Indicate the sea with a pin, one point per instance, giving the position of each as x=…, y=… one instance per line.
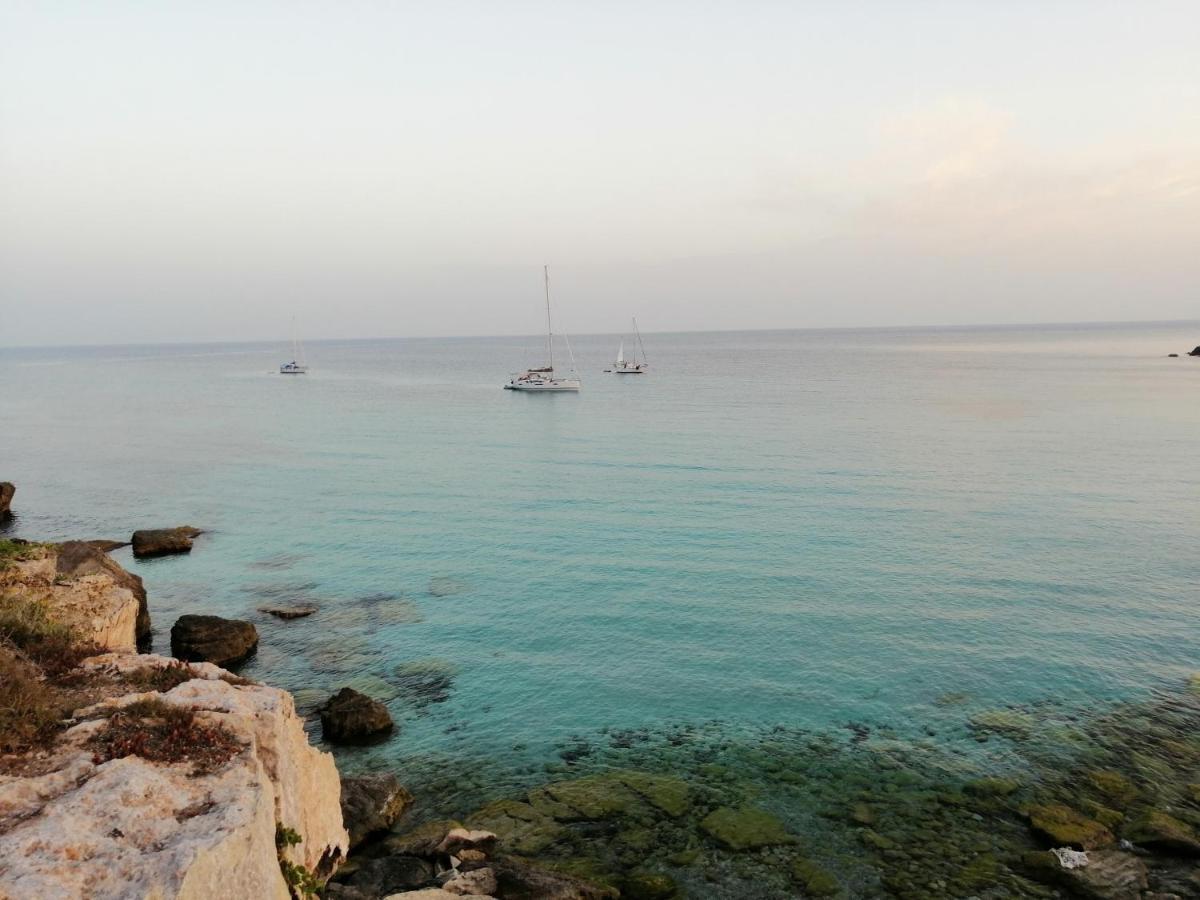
x=884, y=532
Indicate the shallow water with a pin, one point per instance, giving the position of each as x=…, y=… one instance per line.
x=799, y=529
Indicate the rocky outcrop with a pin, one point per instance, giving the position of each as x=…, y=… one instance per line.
x=81, y=587
x=350, y=717
x=78, y=558
x=1195, y=352
x=130, y=827
x=163, y=541
x=223, y=642
x=372, y=804
x=1096, y=874
x=7, y=489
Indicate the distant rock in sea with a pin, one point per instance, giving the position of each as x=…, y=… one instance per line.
x=162, y=541
x=1195, y=352
x=7, y=489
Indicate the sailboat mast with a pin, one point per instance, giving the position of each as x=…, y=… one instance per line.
x=549, y=328
x=638, y=334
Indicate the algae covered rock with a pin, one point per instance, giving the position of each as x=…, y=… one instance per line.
x=815, y=880
x=1008, y=723
x=1100, y=875
x=648, y=886
x=670, y=795
x=595, y=797
x=992, y=787
x=745, y=828
x=1066, y=827
x=1118, y=789
x=1159, y=831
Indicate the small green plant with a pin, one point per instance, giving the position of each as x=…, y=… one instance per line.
x=300, y=881
x=15, y=551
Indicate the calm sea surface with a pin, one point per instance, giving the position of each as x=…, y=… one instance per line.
x=775, y=528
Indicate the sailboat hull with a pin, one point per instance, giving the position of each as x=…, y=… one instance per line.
x=543, y=386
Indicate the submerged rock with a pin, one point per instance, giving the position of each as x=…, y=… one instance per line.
x=391, y=874
x=815, y=880
x=446, y=587
x=1159, y=831
x=425, y=681
x=648, y=886
x=1097, y=874
x=745, y=828
x=372, y=804
x=293, y=611
x=162, y=541
x=1066, y=827
x=1008, y=723
x=223, y=642
x=350, y=717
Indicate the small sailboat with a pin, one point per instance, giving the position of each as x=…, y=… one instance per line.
x=634, y=366
x=543, y=378
x=297, y=366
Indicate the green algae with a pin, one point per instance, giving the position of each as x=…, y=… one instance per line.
x=815, y=880
x=745, y=828
x=1063, y=826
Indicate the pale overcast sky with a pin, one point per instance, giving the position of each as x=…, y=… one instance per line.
x=198, y=171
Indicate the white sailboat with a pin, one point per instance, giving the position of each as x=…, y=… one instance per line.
x=297, y=366
x=634, y=366
x=543, y=378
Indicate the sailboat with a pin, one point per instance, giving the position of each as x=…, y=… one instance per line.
x=624, y=366
x=297, y=366
x=543, y=378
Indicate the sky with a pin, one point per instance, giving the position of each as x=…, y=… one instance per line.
x=201, y=171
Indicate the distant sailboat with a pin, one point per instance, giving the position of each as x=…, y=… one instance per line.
x=542, y=378
x=634, y=366
x=297, y=366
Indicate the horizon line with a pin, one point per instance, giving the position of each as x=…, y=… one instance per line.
x=443, y=337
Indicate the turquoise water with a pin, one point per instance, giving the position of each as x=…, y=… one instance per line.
x=804, y=529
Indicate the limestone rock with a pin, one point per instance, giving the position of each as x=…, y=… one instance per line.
x=129, y=827
x=213, y=639
x=459, y=839
x=162, y=541
x=7, y=489
x=428, y=894
x=371, y=804
x=349, y=716
x=295, y=611
x=82, y=588
x=520, y=879
x=78, y=558
x=476, y=883
x=1097, y=874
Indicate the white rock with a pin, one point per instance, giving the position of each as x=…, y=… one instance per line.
x=429, y=894
x=132, y=828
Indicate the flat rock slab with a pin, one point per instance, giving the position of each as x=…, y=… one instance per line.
x=298, y=611
x=222, y=642
x=162, y=541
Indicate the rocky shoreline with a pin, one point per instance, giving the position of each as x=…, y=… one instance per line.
x=178, y=778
